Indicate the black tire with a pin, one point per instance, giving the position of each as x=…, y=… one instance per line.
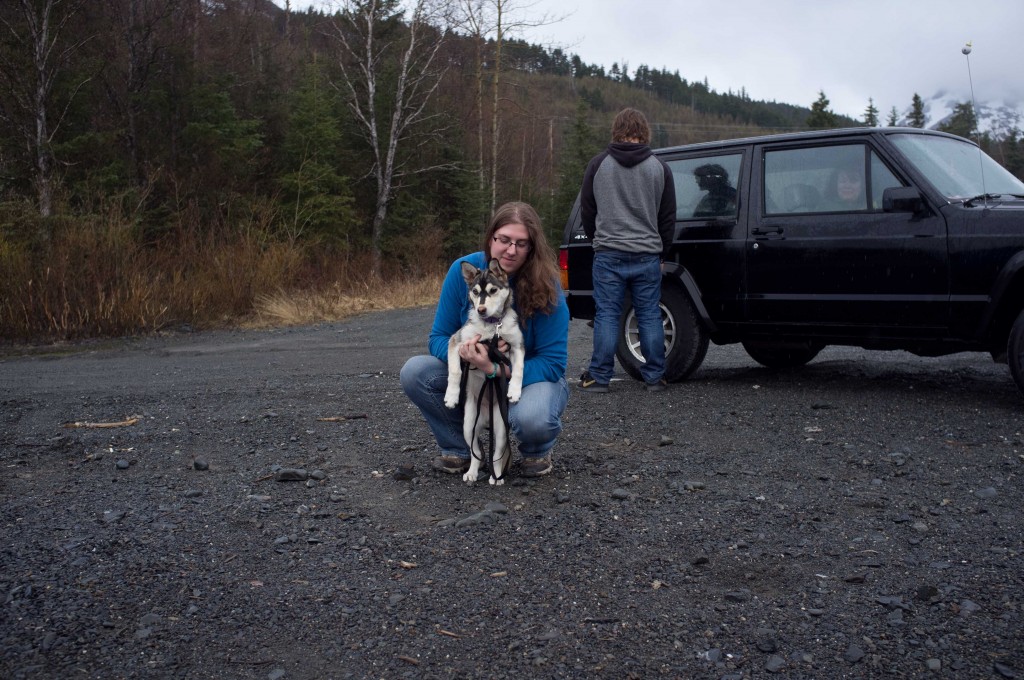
x=686, y=341
x=1015, y=352
x=787, y=354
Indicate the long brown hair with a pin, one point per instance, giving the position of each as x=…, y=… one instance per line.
x=536, y=280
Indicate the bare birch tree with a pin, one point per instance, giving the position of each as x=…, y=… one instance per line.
x=397, y=116
x=28, y=73
x=497, y=19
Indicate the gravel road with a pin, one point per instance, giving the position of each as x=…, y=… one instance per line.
x=857, y=518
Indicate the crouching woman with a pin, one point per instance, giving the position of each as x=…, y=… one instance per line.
x=515, y=239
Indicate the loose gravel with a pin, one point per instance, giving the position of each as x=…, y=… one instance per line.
x=270, y=513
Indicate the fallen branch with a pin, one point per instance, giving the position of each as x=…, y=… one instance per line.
x=245, y=662
x=131, y=420
x=340, y=419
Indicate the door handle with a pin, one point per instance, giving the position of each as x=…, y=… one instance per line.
x=768, y=231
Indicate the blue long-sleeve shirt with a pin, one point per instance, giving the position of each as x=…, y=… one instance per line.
x=546, y=334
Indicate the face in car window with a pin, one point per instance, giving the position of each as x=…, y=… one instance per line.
x=706, y=186
x=845, y=190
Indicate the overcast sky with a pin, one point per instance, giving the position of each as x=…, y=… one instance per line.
x=789, y=50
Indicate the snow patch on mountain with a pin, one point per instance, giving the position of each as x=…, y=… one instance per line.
x=997, y=117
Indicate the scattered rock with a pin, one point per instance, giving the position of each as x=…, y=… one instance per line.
x=742, y=595
x=1003, y=670
x=291, y=475
x=405, y=472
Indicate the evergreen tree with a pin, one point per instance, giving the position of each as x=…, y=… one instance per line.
x=962, y=121
x=580, y=146
x=821, y=116
x=871, y=114
x=220, y=148
x=894, y=118
x=916, y=118
x=316, y=198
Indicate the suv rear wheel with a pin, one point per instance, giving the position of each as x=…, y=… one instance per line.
x=782, y=354
x=686, y=341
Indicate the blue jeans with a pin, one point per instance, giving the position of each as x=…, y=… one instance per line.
x=536, y=420
x=614, y=272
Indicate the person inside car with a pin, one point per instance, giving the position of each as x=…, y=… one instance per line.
x=720, y=199
x=845, y=190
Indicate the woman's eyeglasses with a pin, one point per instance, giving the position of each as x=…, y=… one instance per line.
x=505, y=241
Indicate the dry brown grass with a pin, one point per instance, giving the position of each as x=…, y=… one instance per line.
x=95, y=278
x=299, y=307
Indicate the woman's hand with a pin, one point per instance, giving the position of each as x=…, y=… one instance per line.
x=475, y=354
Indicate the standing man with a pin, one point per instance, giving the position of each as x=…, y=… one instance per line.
x=628, y=204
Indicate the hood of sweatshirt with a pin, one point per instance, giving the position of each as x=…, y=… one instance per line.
x=628, y=154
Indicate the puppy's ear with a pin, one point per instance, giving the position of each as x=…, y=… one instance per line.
x=469, y=272
x=495, y=267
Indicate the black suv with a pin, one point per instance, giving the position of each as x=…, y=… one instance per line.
x=882, y=238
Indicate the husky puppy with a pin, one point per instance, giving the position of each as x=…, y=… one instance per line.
x=490, y=316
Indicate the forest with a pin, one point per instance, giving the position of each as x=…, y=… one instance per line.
x=196, y=163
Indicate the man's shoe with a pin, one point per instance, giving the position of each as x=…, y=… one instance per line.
x=535, y=467
x=659, y=386
x=587, y=383
x=452, y=465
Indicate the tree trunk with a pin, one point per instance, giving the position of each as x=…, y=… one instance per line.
x=495, y=121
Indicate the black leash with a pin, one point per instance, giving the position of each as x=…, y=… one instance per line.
x=498, y=387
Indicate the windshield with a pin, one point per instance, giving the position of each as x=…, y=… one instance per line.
x=956, y=167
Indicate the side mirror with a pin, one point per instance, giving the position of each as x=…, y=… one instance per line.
x=902, y=199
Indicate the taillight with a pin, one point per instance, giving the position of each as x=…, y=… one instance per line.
x=563, y=268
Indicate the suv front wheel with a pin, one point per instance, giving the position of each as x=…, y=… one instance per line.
x=1015, y=352
x=686, y=341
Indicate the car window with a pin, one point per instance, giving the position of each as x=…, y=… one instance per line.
x=881, y=179
x=706, y=186
x=825, y=179
x=956, y=167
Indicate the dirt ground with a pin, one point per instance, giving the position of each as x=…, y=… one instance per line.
x=857, y=518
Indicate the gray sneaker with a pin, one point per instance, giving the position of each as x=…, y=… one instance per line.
x=535, y=467
x=452, y=465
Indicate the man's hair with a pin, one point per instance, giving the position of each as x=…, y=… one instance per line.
x=537, y=287
x=631, y=124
